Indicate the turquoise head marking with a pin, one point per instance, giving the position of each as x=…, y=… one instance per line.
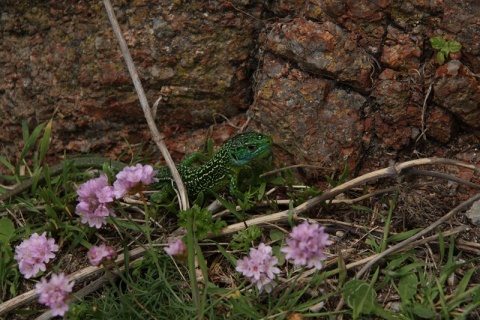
x=247, y=146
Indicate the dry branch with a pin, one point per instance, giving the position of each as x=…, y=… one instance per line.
x=156, y=135
x=394, y=171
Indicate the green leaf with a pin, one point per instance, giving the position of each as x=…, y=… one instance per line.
x=402, y=236
x=7, y=230
x=29, y=143
x=276, y=234
x=360, y=296
x=409, y=268
x=389, y=314
x=344, y=175
x=463, y=284
x=231, y=258
x=476, y=296
x=441, y=245
x=437, y=42
x=453, y=46
x=210, y=150
x=278, y=181
x=440, y=57
x=407, y=287
x=129, y=225
x=7, y=163
x=276, y=250
x=422, y=312
x=397, y=262
x=45, y=141
x=261, y=190
x=229, y=206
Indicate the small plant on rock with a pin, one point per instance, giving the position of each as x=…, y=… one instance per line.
x=446, y=49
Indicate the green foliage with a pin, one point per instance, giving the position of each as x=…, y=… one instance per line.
x=153, y=288
x=424, y=292
x=9, y=275
x=359, y=296
x=203, y=222
x=444, y=48
x=243, y=240
x=159, y=286
x=33, y=142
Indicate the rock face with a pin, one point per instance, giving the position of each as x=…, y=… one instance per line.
x=308, y=116
x=458, y=91
x=321, y=49
x=334, y=82
x=61, y=60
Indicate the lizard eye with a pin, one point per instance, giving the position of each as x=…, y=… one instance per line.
x=252, y=147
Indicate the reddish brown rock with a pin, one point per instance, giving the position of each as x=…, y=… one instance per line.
x=400, y=50
x=395, y=114
x=323, y=49
x=440, y=125
x=462, y=20
x=309, y=119
x=458, y=90
x=201, y=56
x=64, y=56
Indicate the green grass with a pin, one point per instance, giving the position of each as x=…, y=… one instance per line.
x=205, y=285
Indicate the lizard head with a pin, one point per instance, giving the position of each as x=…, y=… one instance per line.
x=247, y=146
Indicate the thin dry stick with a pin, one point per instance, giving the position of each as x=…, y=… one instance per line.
x=156, y=135
x=392, y=171
x=424, y=111
x=413, y=244
x=442, y=176
x=406, y=242
x=331, y=262
x=367, y=260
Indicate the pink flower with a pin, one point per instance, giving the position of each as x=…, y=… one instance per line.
x=98, y=254
x=306, y=244
x=33, y=253
x=133, y=177
x=94, y=196
x=176, y=247
x=260, y=267
x=54, y=293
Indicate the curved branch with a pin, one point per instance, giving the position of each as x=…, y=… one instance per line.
x=156, y=135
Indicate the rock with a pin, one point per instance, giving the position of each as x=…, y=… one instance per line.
x=323, y=49
x=310, y=119
x=400, y=51
x=458, y=91
x=65, y=57
x=462, y=20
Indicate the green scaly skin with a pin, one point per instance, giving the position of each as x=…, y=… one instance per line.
x=222, y=169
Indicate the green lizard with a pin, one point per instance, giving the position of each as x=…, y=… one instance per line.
x=210, y=177
x=222, y=169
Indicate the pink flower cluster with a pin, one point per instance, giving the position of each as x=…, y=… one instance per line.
x=305, y=245
x=54, y=293
x=99, y=254
x=33, y=253
x=131, y=177
x=259, y=267
x=95, y=195
x=176, y=247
